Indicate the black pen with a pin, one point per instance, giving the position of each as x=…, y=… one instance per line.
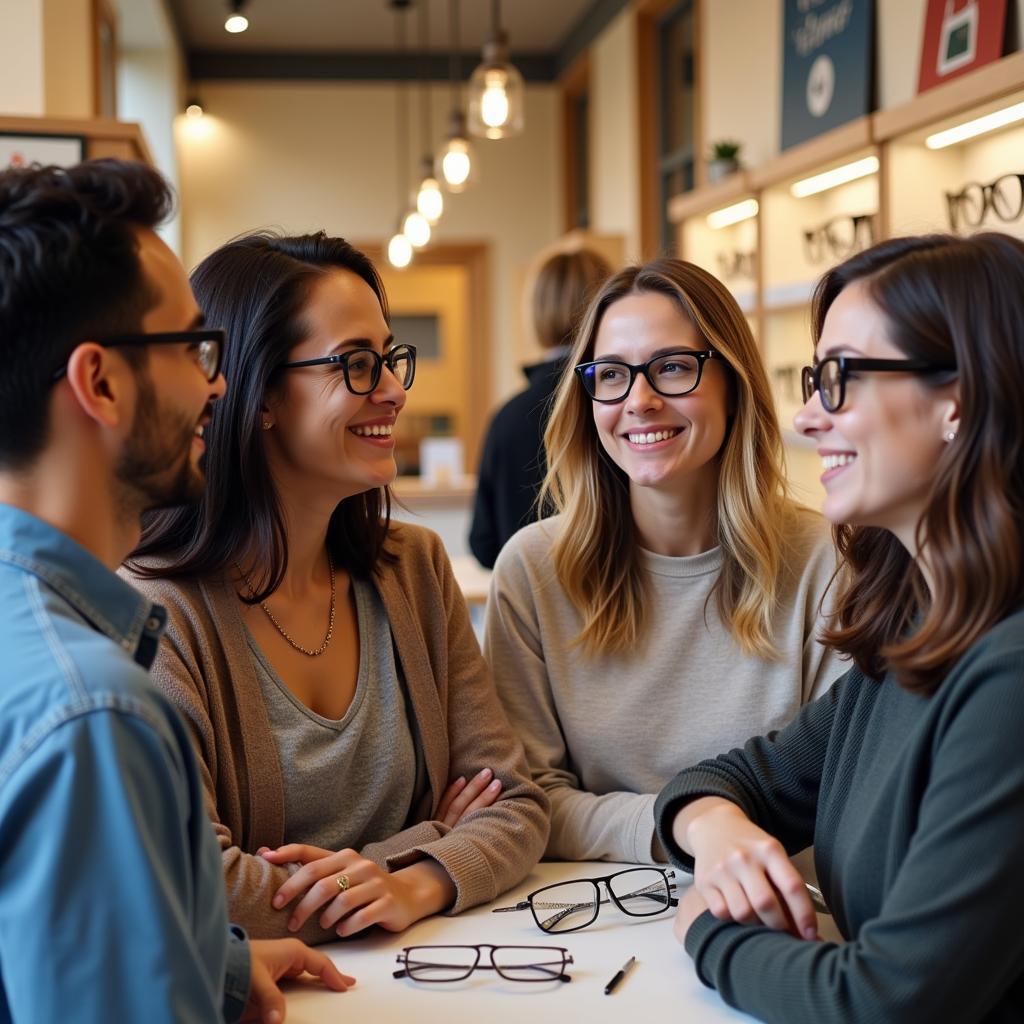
x=619, y=975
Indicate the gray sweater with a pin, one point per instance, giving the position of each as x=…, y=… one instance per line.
x=916, y=809
x=603, y=735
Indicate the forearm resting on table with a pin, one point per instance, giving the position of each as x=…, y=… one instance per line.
x=704, y=810
x=428, y=884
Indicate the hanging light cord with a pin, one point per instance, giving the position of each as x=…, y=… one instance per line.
x=455, y=57
x=424, y=79
x=402, y=118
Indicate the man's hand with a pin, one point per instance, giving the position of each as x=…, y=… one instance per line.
x=284, y=958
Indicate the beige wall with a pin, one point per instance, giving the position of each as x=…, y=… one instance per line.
x=614, y=164
x=68, y=29
x=22, y=80
x=304, y=156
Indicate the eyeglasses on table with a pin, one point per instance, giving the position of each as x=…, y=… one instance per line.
x=570, y=906
x=456, y=963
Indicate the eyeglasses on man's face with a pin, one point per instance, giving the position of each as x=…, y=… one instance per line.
x=455, y=963
x=361, y=367
x=570, y=906
x=670, y=374
x=205, y=344
x=829, y=377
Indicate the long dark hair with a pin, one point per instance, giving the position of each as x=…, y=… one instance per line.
x=956, y=301
x=256, y=288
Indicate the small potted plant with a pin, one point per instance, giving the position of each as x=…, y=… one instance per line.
x=723, y=159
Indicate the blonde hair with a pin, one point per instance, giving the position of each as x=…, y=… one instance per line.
x=596, y=554
x=564, y=286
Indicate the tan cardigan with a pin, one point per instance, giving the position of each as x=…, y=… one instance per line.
x=205, y=667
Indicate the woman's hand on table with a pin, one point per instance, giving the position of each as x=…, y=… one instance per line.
x=744, y=874
x=273, y=959
x=461, y=796
x=355, y=893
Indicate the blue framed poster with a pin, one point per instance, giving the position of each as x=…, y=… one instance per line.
x=827, y=65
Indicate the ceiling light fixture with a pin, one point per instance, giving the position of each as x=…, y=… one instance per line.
x=496, y=88
x=429, y=201
x=980, y=125
x=837, y=176
x=236, y=20
x=732, y=214
x=455, y=163
x=399, y=246
x=193, y=109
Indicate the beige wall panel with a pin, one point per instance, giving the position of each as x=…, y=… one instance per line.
x=68, y=39
x=22, y=78
x=614, y=149
x=304, y=156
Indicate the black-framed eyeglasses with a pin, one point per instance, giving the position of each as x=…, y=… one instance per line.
x=361, y=367
x=208, y=343
x=455, y=963
x=839, y=237
x=671, y=374
x=829, y=376
x=570, y=906
x=1004, y=197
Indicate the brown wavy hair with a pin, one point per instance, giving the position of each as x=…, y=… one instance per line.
x=956, y=301
x=595, y=553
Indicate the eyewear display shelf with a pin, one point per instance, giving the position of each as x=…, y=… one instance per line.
x=772, y=259
x=662, y=977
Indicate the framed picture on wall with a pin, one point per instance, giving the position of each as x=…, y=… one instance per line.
x=960, y=35
x=20, y=150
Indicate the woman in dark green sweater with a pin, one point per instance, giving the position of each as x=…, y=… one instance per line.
x=908, y=776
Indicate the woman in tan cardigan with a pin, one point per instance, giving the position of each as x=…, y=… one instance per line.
x=323, y=655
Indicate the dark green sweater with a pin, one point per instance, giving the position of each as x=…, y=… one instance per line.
x=915, y=807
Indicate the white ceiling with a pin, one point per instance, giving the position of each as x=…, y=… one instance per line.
x=537, y=26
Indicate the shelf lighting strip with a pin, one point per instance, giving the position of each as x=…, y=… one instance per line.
x=980, y=125
x=732, y=214
x=837, y=176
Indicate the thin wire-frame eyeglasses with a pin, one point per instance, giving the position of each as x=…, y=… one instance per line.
x=361, y=367
x=455, y=963
x=670, y=374
x=208, y=343
x=829, y=376
x=570, y=906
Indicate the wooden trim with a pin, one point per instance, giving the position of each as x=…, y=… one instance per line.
x=103, y=13
x=951, y=98
x=814, y=155
x=703, y=200
x=97, y=131
x=647, y=13
x=699, y=92
x=476, y=258
x=573, y=84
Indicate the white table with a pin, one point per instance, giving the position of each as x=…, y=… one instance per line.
x=662, y=982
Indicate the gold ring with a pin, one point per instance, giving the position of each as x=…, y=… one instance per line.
x=343, y=882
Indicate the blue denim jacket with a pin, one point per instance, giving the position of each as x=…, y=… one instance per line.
x=112, y=903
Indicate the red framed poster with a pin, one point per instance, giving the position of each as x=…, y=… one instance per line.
x=959, y=36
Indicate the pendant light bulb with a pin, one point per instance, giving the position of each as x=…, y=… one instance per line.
x=429, y=201
x=496, y=92
x=399, y=251
x=416, y=228
x=236, y=21
x=454, y=165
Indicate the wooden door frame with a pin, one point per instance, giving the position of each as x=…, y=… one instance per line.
x=475, y=257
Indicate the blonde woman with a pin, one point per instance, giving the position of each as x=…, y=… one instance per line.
x=671, y=606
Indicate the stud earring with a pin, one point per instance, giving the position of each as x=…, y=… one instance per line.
x=267, y=424
x=949, y=436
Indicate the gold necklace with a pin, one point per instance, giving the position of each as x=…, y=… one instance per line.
x=277, y=625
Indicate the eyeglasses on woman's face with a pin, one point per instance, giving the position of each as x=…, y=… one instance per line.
x=361, y=367
x=205, y=344
x=829, y=377
x=670, y=374
x=570, y=906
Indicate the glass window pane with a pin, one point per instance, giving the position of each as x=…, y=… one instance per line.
x=422, y=332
